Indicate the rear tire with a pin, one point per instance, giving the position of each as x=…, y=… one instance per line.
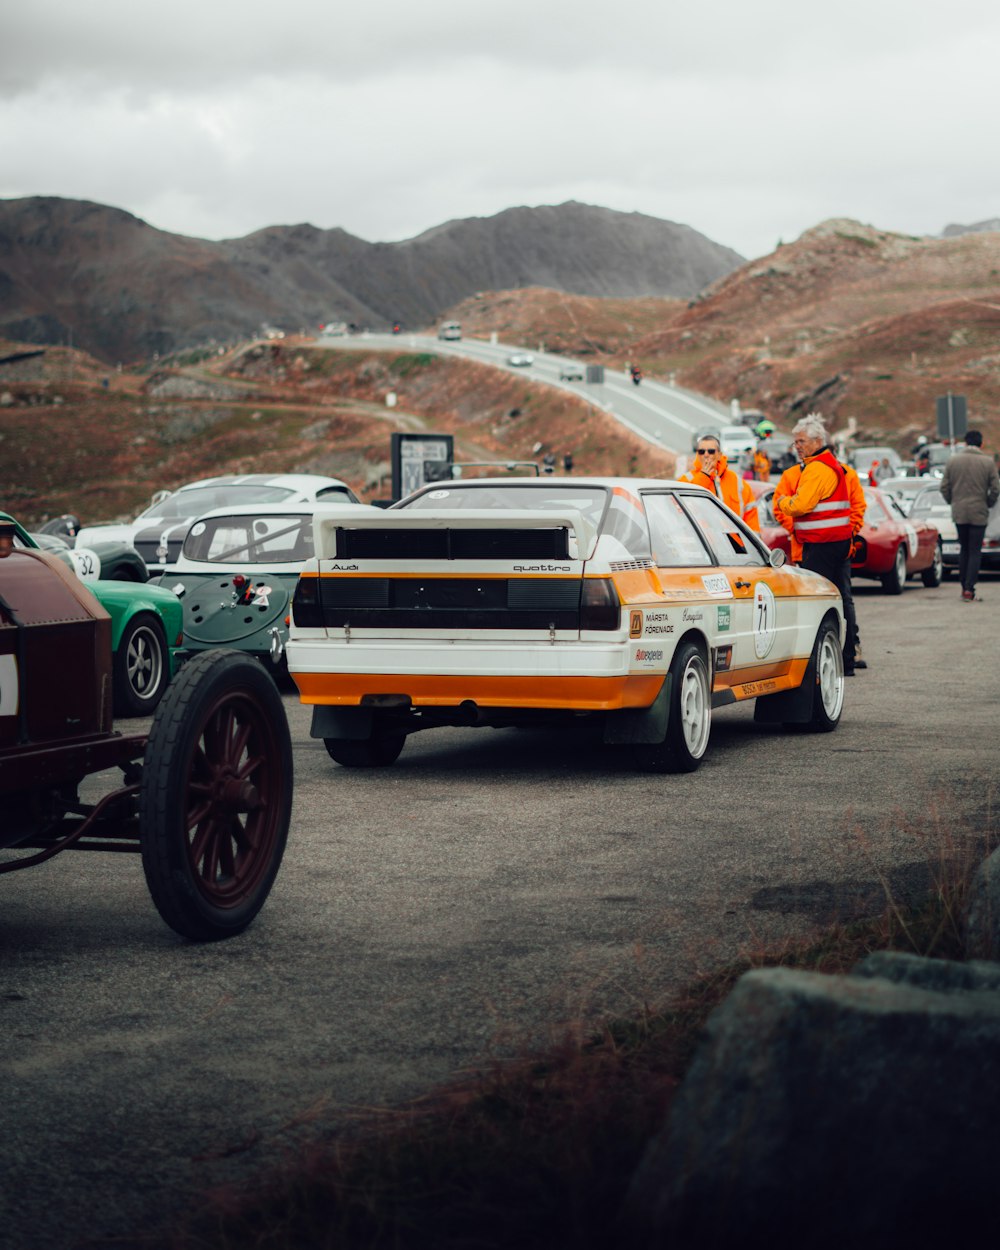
x=690, y=719
x=932, y=576
x=141, y=667
x=894, y=581
x=828, y=693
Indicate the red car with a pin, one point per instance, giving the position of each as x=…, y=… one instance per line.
x=890, y=548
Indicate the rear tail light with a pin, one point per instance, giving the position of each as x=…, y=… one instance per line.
x=600, y=607
x=305, y=604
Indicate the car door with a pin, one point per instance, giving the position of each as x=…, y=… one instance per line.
x=763, y=617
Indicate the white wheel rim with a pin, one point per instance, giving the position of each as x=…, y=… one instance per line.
x=830, y=675
x=695, y=713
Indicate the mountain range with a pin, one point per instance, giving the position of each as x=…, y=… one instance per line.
x=99, y=278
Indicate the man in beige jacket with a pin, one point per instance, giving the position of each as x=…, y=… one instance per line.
x=971, y=485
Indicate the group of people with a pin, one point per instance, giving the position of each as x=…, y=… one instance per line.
x=821, y=503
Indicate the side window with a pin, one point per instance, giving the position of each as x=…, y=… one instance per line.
x=625, y=521
x=675, y=540
x=731, y=542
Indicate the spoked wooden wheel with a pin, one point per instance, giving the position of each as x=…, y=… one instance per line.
x=216, y=795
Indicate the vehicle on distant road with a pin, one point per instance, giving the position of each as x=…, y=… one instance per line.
x=520, y=360
x=571, y=372
x=638, y=603
x=336, y=329
x=450, y=331
x=158, y=532
x=735, y=440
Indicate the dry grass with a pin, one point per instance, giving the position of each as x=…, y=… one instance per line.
x=538, y=1152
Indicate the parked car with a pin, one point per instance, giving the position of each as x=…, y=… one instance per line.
x=571, y=372
x=145, y=633
x=111, y=561
x=931, y=506
x=932, y=457
x=638, y=603
x=520, y=359
x=780, y=449
x=204, y=798
x=891, y=547
x=735, y=440
x=236, y=574
x=158, y=532
x=862, y=459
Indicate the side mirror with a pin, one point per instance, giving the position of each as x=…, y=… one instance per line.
x=776, y=558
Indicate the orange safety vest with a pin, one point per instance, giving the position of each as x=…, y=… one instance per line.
x=830, y=520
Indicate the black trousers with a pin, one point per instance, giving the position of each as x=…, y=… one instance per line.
x=832, y=560
x=970, y=551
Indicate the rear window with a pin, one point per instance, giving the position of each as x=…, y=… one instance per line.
x=589, y=500
x=250, y=540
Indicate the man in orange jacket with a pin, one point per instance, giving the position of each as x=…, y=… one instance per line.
x=788, y=485
x=711, y=470
x=820, y=512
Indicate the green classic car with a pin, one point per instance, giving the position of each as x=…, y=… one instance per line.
x=146, y=629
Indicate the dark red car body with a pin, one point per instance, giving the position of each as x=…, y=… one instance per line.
x=890, y=548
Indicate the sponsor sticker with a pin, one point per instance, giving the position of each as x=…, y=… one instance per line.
x=692, y=616
x=765, y=624
x=261, y=596
x=911, y=540
x=717, y=585
x=634, y=623
x=647, y=657
x=658, y=624
x=723, y=618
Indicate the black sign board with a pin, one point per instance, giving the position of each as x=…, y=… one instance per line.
x=952, y=417
x=411, y=456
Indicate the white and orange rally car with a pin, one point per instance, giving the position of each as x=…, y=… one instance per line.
x=534, y=601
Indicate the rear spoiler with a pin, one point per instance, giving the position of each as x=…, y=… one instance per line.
x=331, y=518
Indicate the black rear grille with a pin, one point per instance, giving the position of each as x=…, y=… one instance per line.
x=453, y=544
x=438, y=603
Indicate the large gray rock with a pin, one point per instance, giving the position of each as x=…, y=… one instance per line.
x=832, y=1112
x=982, y=911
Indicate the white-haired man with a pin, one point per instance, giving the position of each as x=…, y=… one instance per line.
x=820, y=511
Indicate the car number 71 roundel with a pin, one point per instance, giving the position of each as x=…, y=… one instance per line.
x=764, y=620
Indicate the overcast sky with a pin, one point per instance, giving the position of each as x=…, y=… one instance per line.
x=750, y=121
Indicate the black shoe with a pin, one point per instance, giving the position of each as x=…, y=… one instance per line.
x=848, y=672
x=860, y=663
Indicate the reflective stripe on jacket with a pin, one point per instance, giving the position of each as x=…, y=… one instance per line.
x=829, y=521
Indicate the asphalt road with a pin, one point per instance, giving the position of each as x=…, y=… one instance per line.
x=489, y=887
x=668, y=416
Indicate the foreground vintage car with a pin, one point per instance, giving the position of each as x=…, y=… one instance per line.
x=145, y=629
x=236, y=574
x=890, y=548
x=205, y=799
x=538, y=602
x=158, y=532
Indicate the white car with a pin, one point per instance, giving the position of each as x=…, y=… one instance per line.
x=158, y=532
x=639, y=604
x=571, y=372
x=735, y=440
x=520, y=360
x=930, y=505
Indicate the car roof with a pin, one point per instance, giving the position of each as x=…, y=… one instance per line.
x=294, y=481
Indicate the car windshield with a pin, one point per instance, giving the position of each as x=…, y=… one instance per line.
x=875, y=511
x=250, y=540
x=929, y=501
x=188, y=503
x=589, y=500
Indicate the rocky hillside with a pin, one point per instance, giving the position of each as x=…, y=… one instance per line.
x=86, y=275
x=857, y=322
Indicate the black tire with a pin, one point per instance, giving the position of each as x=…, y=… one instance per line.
x=689, y=722
x=932, y=576
x=122, y=573
x=374, y=752
x=216, y=796
x=894, y=581
x=141, y=667
x=828, y=668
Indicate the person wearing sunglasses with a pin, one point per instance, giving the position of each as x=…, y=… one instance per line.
x=711, y=470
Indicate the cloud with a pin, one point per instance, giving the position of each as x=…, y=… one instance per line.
x=748, y=123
